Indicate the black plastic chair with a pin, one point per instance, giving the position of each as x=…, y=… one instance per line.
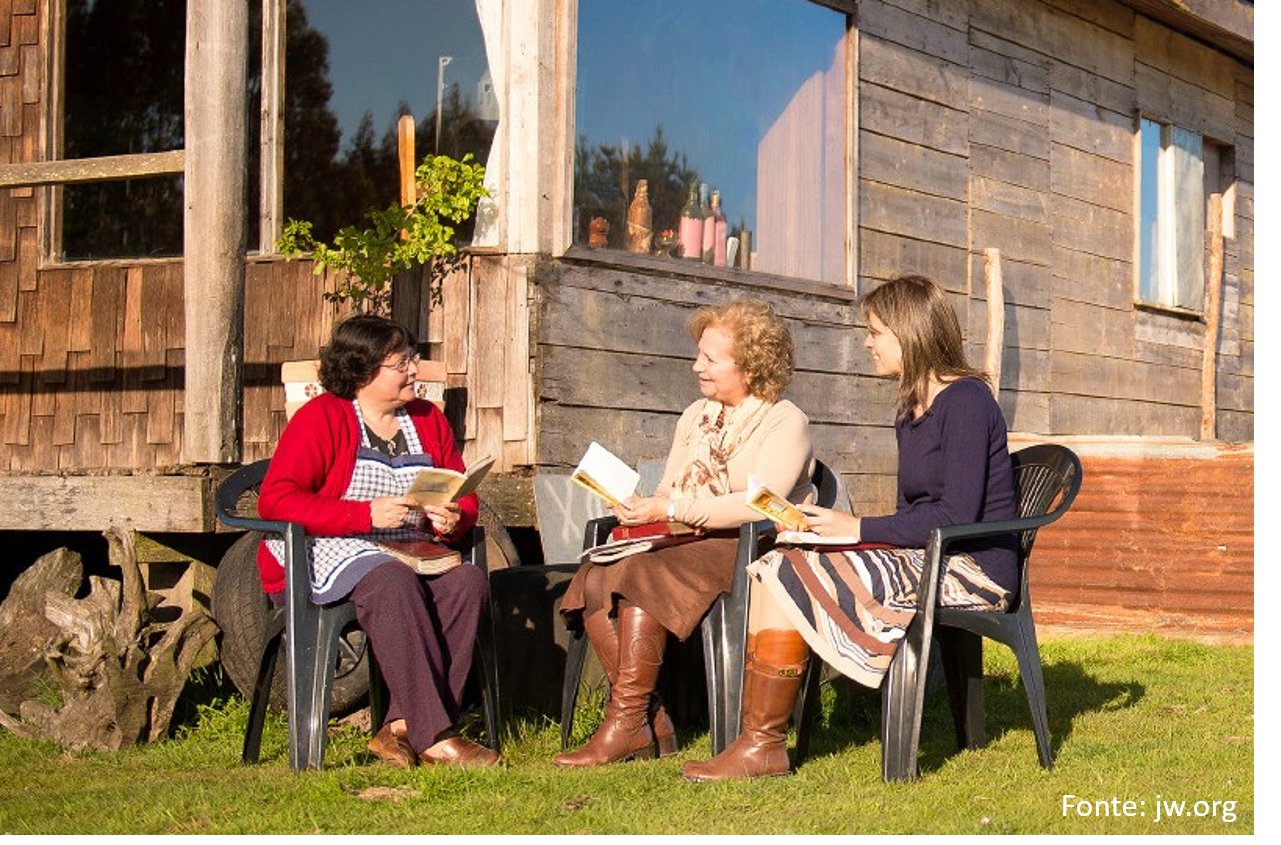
x=1048, y=478
x=310, y=635
x=724, y=628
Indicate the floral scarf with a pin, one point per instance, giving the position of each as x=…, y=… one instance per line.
x=721, y=431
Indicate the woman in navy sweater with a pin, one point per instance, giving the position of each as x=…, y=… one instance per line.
x=853, y=605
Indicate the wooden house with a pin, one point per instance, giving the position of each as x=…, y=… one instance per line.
x=1093, y=159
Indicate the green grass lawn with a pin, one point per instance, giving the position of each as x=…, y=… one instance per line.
x=1161, y=723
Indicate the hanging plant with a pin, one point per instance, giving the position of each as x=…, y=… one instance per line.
x=398, y=237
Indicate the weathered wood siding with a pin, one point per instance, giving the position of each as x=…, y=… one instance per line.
x=614, y=365
x=991, y=124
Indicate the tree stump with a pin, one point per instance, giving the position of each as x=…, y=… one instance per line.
x=117, y=668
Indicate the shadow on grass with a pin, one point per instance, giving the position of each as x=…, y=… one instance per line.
x=853, y=712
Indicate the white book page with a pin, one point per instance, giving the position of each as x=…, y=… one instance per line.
x=605, y=474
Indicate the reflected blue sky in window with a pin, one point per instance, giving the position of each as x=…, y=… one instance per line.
x=385, y=52
x=715, y=74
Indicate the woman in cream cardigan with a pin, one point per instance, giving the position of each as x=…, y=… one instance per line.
x=740, y=426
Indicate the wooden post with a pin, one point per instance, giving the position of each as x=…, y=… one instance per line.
x=406, y=286
x=214, y=226
x=1213, y=301
x=995, y=292
x=408, y=163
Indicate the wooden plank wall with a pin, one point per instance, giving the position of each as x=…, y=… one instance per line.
x=481, y=330
x=614, y=365
x=991, y=124
x=94, y=379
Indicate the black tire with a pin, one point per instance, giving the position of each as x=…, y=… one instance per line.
x=241, y=609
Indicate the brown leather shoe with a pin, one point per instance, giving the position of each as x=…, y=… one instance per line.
x=459, y=751
x=393, y=748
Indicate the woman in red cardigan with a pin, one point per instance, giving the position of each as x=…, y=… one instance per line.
x=341, y=470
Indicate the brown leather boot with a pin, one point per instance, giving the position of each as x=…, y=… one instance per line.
x=626, y=733
x=602, y=633
x=770, y=685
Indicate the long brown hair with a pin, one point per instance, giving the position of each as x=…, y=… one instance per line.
x=917, y=311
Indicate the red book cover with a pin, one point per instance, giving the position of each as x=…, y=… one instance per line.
x=649, y=530
x=424, y=556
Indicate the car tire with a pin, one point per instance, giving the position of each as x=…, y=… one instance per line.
x=242, y=610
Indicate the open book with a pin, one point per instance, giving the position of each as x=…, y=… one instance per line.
x=774, y=507
x=605, y=474
x=437, y=485
x=777, y=509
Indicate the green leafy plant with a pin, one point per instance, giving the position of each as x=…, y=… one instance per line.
x=398, y=237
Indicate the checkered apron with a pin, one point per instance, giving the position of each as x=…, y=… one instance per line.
x=338, y=563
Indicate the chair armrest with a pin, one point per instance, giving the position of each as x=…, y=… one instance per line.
x=942, y=538
x=597, y=530
x=230, y=491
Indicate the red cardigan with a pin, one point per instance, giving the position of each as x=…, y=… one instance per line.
x=313, y=465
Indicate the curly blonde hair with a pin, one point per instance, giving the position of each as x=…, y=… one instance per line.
x=762, y=343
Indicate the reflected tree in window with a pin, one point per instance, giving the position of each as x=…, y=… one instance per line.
x=605, y=178
x=123, y=94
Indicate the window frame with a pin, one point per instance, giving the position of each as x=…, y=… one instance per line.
x=54, y=172
x=1168, y=290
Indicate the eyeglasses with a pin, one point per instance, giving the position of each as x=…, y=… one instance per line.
x=402, y=366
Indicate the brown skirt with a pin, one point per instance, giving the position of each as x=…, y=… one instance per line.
x=675, y=585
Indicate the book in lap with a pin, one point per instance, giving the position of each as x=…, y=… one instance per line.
x=438, y=485
x=423, y=556
x=627, y=540
x=605, y=474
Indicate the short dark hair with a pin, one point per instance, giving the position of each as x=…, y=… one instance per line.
x=359, y=345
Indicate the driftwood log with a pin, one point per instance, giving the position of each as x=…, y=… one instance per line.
x=117, y=669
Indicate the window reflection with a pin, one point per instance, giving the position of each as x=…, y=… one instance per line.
x=122, y=94
x=351, y=74
x=745, y=100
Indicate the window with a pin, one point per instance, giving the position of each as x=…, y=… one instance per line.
x=330, y=89
x=744, y=100
x=122, y=94
x=350, y=75
x=1178, y=171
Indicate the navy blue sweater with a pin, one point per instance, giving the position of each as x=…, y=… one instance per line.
x=954, y=468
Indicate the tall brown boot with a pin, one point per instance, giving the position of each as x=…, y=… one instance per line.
x=626, y=733
x=602, y=633
x=770, y=685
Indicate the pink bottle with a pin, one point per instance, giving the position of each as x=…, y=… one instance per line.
x=691, y=226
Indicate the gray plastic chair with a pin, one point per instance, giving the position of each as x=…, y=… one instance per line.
x=1048, y=478
x=724, y=628
x=310, y=633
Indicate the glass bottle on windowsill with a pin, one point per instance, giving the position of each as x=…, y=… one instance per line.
x=720, y=230
x=640, y=218
x=691, y=226
x=709, y=224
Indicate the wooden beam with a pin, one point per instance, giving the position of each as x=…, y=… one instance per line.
x=214, y=252
x=995, y=316
x=100, y=169
x=93, y=502
x=1214, y=296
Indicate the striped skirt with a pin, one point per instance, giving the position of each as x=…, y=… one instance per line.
x=853, y=606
